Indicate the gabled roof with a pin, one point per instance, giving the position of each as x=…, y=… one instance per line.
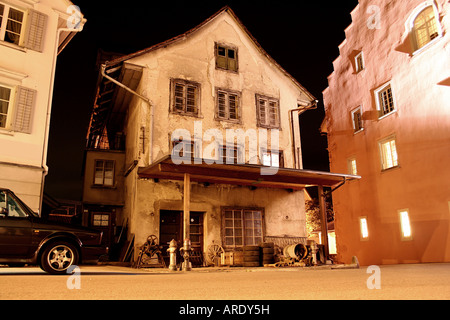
x=181, y=37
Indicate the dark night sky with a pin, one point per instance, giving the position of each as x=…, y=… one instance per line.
x=302, y=36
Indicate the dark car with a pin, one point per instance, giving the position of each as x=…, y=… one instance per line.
x=25, y=238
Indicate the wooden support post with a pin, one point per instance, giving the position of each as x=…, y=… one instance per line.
x=186, y=206
x=323, y=222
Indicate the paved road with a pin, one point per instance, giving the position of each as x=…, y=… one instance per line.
x=404, y=282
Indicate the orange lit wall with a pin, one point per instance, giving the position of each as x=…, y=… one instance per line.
x=420, y=124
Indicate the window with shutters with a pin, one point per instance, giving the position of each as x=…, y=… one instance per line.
x=226, y=57
x=227, y=105
x=242, y=226
x=185, y=97
x=384, y=98
x=104, y=173
x=24, y=28
x=16, y=108
x=267, y=112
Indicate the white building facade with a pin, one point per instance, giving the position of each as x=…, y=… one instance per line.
x=32, y=34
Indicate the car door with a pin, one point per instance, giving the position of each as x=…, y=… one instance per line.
x=15, y=228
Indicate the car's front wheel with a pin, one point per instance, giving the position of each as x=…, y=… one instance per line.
x=58, y=257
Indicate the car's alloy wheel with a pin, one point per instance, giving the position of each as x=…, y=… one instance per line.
x=58, y=257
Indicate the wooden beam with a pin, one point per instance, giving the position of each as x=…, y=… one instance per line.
x=323, y=222
x=186, y=205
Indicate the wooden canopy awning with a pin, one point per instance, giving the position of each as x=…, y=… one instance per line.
x=242, y=174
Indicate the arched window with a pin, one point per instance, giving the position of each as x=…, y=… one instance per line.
x=425, y=27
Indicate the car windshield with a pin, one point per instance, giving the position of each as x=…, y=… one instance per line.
x=13, y=206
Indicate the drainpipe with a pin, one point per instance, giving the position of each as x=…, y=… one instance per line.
x=145, y=99
x=44, y=166
x=309, y=106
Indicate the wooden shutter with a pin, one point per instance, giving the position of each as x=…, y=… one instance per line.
x=23, y=109
x=35, y=30
x=233, y=106
x=221, y=105
x=179, y=97
x=261, y=111
x=191, y=99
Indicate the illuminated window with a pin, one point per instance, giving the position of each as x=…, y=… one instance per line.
x=385, y=100
x=100, y=220
x=388, y=150
x=272, y=158
x=352, y=169
x=425, y=27
x=364, y=228
x=405, y=225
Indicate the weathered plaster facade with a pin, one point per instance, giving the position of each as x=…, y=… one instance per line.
x=27, y=68
x=416, y=118
x=193, y=59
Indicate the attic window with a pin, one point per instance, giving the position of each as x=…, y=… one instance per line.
x=226, y=58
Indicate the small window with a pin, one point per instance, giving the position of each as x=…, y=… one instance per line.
x=100, y=220
x=388, y=150
x=104, y=173
x=425, y=27
x=231, y=155
x=227, y=105
x=5, y=98
x=405, y=225
x=385, y=100
x=185, y=97
x=272, y=158
x=357, y=120
x=11, y=24
x=185, y=150
x=359, y=62
x=364, y=228
x=352, y=168
x=268, y=112
x=242, y=226
x=226, y=58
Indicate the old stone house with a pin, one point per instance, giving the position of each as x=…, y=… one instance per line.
x=199, y=137
x=32, y=34
x=388, y=119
